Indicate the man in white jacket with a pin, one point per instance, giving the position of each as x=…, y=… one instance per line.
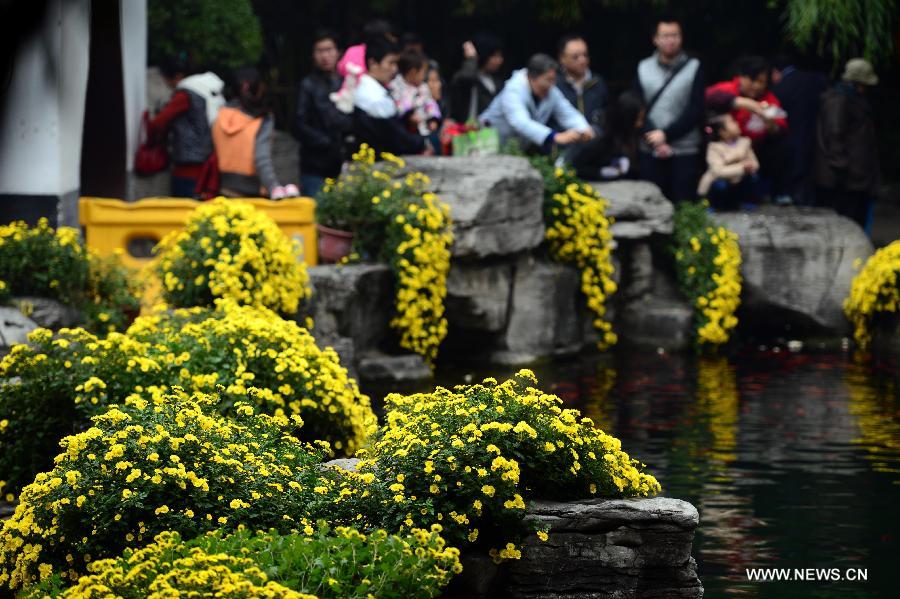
x=529, y=100
x=375, y=117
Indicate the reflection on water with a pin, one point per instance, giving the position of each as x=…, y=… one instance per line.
x=792, y=459
x=874, y=405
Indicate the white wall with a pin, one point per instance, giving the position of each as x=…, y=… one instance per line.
x=134, y=70
x=40, y=143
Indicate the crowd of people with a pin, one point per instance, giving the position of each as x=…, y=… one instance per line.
x=773, y=133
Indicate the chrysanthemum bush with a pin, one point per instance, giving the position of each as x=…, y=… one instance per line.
x=708, y=271
x=321, y=562
x=399, y=222
x=229, y=249
x=163, y=463
x=471, y=458
x=874, y=290
x=50, y=387
x=235, y=348
x=53, y=385
x=418, y=251
x=168, y=568
x=54, y=263
x=578, y=233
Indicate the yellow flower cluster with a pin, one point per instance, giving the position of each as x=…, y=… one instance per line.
x=720, y=304
x=472, y=457
x=228, y=249
x=398, y=221
x=421, y=262
x=40, y=261
x=708, y=269
x=239, y=350
x=874, y=290
x=578, y=232
x=19, y=231
x=333, y=563
x=158, y=463
x=166, y=569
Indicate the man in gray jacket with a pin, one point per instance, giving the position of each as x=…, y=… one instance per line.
x=672, y=86
x=528, y=102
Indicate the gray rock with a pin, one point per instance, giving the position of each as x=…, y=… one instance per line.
x=544, y=312
x=610, y=549
x=352, y=301
x=654, y=322
x=798, y=262
x=381, y=367
x=344, y=348
x=14, y=327
x=496, y=204
x=637, y=263
x=639, y=208
x=49, y=313
x=348, y=464
x=478, y=295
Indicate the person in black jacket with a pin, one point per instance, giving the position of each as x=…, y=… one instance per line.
x=319, y=126
x=799, y=92
x=846, y=168
x=477, y=81
x=588, y=93
x=376, y=120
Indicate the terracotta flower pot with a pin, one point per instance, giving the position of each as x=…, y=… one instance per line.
x=334, y=244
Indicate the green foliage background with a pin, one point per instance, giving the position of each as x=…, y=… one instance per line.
x=217, y=34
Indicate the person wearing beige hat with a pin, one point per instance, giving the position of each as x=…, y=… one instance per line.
x=846, y=170
x=860, y=71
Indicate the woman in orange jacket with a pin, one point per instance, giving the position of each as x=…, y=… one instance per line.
x=242, y=136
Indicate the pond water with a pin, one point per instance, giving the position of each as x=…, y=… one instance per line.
x=791, y=458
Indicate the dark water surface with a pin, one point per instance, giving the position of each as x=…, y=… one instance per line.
x=792, y=458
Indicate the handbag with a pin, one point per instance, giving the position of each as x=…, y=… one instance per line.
x=207, y=186
x=151, y=156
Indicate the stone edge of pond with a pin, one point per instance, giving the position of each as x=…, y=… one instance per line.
x=597, y=548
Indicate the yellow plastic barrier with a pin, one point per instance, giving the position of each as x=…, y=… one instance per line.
x=135, y=227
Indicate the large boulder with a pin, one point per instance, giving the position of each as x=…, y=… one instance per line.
x=798, y=263
x=496, y=203
x=14, y=327
x=597, y=549
x=639, y=208
x=48, y=313
x=379, y=367
x=654, y=322
x=351, y=301
x=544, y=312
x=478, y=295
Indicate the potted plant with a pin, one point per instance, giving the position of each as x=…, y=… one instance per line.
x=345, y=213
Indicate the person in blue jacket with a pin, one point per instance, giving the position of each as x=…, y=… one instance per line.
x=529, y=101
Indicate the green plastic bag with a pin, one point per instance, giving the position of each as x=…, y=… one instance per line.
x=483, y=142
